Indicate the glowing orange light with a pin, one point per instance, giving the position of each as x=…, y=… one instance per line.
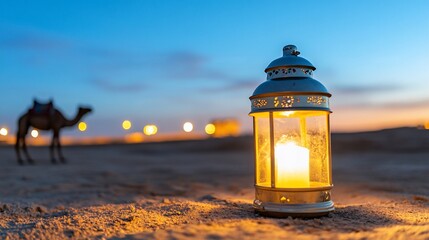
x=135, y=137
x=82, y=126
x=150, y=130
x=427, y=125
x=34, y=133
x=3, y=131
x=224, y=127
x=188, y=127
x=210, y=129
x=126, y=124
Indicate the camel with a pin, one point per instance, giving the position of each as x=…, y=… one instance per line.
x=45, y=117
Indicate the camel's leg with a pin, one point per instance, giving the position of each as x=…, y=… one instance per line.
x=52, y=150
x=27, y=155
x=60, y=150
x=17, y=149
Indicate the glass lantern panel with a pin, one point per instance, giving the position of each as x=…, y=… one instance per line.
x=301, y=149
x=262, y=148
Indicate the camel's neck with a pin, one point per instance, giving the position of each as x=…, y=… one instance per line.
x=74, y=121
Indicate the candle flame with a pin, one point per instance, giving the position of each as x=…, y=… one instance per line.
x=293, y=165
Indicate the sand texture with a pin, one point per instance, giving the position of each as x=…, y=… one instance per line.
x=203, y=190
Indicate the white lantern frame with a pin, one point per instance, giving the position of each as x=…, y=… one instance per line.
x=293, y=163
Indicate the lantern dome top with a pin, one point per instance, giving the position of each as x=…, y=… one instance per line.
x=290, y=59
x=290, y=86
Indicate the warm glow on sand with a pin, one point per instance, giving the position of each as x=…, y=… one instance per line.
x=82, y=126
x=210, y=129
x=3, y=131
x=150, y=130
x=34, y=133
x=188, y=127
x=126, y=124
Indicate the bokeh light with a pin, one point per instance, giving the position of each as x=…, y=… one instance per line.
x=188, y=127
x=126, y=124
x=150, y=130
x=82, y=126
x=34, y=133
x=210, y=128
x=3, y=131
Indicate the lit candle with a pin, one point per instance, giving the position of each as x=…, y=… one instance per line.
x=293, y=165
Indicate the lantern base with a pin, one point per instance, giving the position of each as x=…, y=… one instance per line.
x=295, y=210
x=284, y=203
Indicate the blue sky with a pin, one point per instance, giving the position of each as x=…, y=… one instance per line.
x=167, y=62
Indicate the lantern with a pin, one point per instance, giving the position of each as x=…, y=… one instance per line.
x=293, y=172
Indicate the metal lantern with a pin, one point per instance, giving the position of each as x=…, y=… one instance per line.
x=293, y=172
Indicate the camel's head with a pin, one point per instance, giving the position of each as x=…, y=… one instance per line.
x=85, y=110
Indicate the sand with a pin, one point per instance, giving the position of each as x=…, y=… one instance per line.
x=203, y=190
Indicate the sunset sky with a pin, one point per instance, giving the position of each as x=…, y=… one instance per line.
x=168, y=62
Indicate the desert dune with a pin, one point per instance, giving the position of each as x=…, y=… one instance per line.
x=203, y=189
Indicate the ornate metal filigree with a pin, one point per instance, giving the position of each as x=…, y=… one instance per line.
x=287, y=101
x=259, y=103
x=289, y=72
x=316, y=100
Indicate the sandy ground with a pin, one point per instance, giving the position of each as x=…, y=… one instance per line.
x=203, y=190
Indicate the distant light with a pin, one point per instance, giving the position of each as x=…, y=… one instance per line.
x=427, y=125
x=82, y=126
x=150, y=130
x=34, y=133
x=126, y=124
x=135, y=137
x=188, y=127
x=3, y=131
x=210, y=129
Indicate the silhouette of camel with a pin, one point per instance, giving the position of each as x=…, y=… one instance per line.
x=44, y=117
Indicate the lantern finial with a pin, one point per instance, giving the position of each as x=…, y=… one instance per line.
x=290, y=50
